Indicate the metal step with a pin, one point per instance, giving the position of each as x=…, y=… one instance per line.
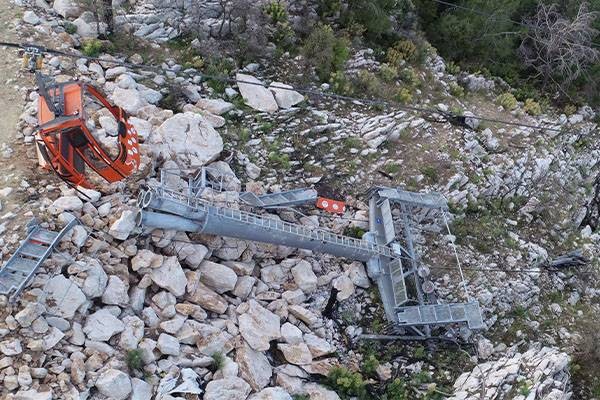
x=22, y=265
x=32, y=249
x=43, y=236
x=288, y=198
x=436, y=314
x=423, y=200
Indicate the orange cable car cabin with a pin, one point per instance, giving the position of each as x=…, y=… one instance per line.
x=66, y=140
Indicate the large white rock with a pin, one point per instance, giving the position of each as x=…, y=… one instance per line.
x=255, y=94
x=142, y=127
x=96, y=280
x=102, y=325
x=141, y=390
x=129, y=100
x=63, y=297
x=122, y=227
x=86, y=25
x=304, y=276
x=170, y=276
x=11, y=347
x=168, y=344
x=201, y=294
x=227, y=389
x=188, y=139
x=215, y=106
x=344, y=286
x=259, y=326
x=66, y=8
x=68, y=203
x=31, y=312
x=318, y=392
x=272, y=393
x=114, y=384
x=254, y=367
x=132, y=334
x=285, y=96
x=31, y=18
x=32, y=394
x=146, y=259
x=217, y=276
x=318, y=346
x=298, y=354
x=116, y=292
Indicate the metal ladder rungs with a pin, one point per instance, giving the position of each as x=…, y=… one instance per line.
x=33, y=250
x=43, y=236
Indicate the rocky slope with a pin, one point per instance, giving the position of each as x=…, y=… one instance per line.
x=168, y=315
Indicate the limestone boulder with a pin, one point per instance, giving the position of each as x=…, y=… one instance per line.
x=188, y=139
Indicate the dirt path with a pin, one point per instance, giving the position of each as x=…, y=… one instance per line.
x=11, y=102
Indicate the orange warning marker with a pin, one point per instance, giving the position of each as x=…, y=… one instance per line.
x=332, y=206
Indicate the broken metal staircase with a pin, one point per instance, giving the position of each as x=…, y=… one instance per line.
x=288, y=198
x=31, y=254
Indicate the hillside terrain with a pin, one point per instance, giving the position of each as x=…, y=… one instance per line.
x=347, y=96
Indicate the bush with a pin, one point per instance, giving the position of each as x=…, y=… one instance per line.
x=347, y=383
x=134, y=360
x=276, y=12
x=367, y=83
x=375, y=16
x=507, y=100
x=388, y=73
x=218, y=360
x=404, y=96
x=92, y=47
x=452, y=68
x=403, y=50
x=326, y=51
x=369, y=366
x=220, y=68
x=340, y=84
x=397, y=390
x=532, y=107
x=409, y=76
x=354, y=231
x=70, y=28
x=456, y=90
x=570, y=109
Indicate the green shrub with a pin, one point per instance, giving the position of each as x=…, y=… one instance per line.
x=91, y=47
x=403, y=50
x=456, y=90
x=220, y=68
x=134, y=360
x=280, y=160
x=347, y=383
x=340, y=84
x=354, y=231
x=452, y=68
x=326, y=51
x=388, y=73
x=532, y=107
x=374, y=16
x=327, y=8
x=396, y=390
x=409, y=76
x=404, y=96
x=367, y=83
x=431, y=174
x=570, y=109
x=369, y=366
x=276, y=12
x=70, y=27
x=218, y=360
x=507, y=100
x=196, y=62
